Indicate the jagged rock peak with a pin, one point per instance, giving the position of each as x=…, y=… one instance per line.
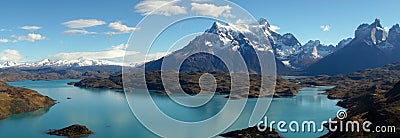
x=214, y=27
x=290, y=40
x=343, y=43
x=263, y=21
x=394, y=35
x=373, y=33
x=377, y=23
x=395, y=29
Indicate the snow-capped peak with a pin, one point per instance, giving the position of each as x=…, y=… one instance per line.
x=61, y=63
x=239, y=35
x=44, y=62
x=8, y=64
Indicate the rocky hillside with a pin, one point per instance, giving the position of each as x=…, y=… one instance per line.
x=371, y=94
x=19, y=100
x=350, y=85
x=380, y=109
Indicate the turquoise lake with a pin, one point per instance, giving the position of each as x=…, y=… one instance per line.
x=107, y=113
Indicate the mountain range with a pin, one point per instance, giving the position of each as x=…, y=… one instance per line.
x=60, y=63
x=290, y=55
x=372, y=46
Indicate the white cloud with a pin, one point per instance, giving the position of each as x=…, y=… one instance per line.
x=274, y=28
x=212, y=10
x=201, y=0
x=120, y=28
x=32, y=37
x=31, y=28
x=160, y=7
x=77, y=32
x=3, y=40
x=10, y=55
x=83, y=23
x=114, y=52
x=137, y=59
x=325, y=28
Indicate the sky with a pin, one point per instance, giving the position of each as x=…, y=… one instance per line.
x=99, y=29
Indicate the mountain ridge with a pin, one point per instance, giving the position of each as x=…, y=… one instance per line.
x=370, y=48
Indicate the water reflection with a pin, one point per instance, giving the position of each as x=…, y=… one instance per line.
x=107, y=113
x=31, y=114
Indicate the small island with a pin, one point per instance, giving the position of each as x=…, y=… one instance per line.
x=15, y=100
x=72, y=131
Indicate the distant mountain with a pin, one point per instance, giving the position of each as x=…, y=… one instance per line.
x=59, y=72
x=230, y=38
x=295, y=55
x=310, y=53
x=230, y=42
x=8, y=64
x=60, y=63
x=370, y=48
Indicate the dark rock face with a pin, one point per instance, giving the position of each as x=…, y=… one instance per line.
x=252, y=132
x=290, y=40
x=343, y=43
x=19, y=100
x=72, y=131
x=394, y=36
x=373, y=33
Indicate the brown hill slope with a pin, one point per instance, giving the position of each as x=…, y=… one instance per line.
x=19, y=100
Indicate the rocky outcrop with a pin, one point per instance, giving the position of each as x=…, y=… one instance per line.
x=371, y=94
x=97, y=83
x=252, y=132
x=72, y=131
x=375, y=107
x=19, y=100
x=394, y=35
x=357, y=83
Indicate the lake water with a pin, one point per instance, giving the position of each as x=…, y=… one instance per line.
x=106, y=112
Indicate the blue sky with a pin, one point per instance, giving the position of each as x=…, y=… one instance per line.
x=68, y=29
